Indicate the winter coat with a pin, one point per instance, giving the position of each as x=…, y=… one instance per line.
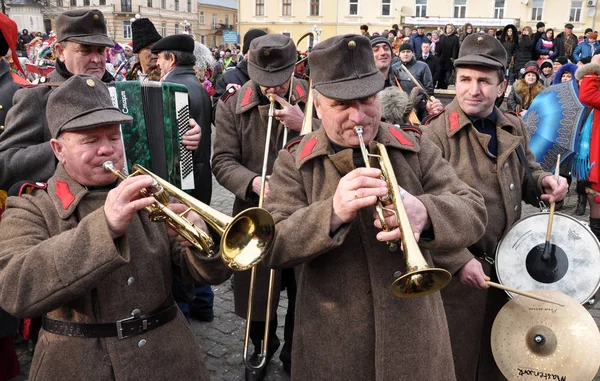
x=558, y=75
x=240, y=135
x=510, y=46
x=584, y=50
x=502, y=183
x=522, y=95
x=416, y=41
x=447, y=49
x=8, y=88
x=464, y=34
x=201, y=112
x=58, y=258
x=434, y=67
x=544, y=47
x=343, y=335
x=419, y=70
x=547, y=81
x=565, y=46
x=239, y=76
x=589, y=95
x=524, y=52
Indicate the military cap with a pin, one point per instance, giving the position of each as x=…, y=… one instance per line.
x=81, y=102
x=176, y=42
x=481, y=50
x=84, y=26
x=343, y=68
x=271, y=59
x=143, y=33
x=376, y=40
x=569, y=26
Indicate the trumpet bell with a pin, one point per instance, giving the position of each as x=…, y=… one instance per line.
x=420, y=283
x=246, y=238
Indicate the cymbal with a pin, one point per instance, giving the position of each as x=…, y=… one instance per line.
x=533, y=340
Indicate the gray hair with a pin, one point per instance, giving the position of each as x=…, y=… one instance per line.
x=181, y=58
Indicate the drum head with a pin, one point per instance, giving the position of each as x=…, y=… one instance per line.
x=581, y=279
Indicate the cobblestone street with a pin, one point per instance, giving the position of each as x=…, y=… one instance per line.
x=222, y=340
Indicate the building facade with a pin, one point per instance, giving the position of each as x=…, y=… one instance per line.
x=27, y=14
x=217, y=23
x=334, y=17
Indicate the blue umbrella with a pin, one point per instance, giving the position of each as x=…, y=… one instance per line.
x=554, y=121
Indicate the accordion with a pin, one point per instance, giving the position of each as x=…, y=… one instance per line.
x=161, y=115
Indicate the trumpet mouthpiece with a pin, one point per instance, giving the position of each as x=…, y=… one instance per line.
x=358, y=130
x=108, y=166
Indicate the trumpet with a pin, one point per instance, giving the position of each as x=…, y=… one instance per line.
x=420, y=279
x=244, y=237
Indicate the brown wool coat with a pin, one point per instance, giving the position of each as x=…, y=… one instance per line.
x=240, y=135
x=348, y=324
x=63, y=262
x=503, y=184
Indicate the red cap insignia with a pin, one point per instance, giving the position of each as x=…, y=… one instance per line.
x=247, y=96
x=300, y=91
x=64, y=193
x=308, y=147
x=398, y=135
x=453, y=121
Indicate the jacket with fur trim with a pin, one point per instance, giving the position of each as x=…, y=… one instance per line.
x=523, y=94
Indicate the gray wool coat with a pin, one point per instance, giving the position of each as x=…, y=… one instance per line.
x=503, y=184
x=240, y=135
x=348, y=324
x=57, y=257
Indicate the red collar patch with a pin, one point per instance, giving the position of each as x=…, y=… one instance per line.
x=64, y=194
x=247, y=96
x=308, y=147
x=398, y=135
x=300, y=92
x=453, y=121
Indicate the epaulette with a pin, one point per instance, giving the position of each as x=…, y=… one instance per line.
x=432, y=117
x=228, y=93
x=512, y=113
x=413, y=129
x=25, y=187
x=293, y=142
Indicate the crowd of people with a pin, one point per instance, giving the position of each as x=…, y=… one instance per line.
x=114, y=288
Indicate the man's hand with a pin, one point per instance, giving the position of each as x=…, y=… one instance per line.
x=256, y=186
x=123, y=202
x=290, y=115
x=192, y=217
x=554, y=191
x=471, y=274
x=356, y=190
x=434, y=106
x=191, y=139
x=417, y=215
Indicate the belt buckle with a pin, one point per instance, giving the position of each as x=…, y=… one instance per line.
x=120, y=334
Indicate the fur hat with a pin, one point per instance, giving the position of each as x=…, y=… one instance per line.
x=394, y=105
x=143, y=34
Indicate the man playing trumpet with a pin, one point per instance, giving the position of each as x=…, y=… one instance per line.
x=80, y=251
x=349, y=326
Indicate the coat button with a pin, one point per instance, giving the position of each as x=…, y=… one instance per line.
x=0, y=107
x=505, y=165
x=141, y=343
x=130, y=281
x=511, y=187
x=397, y=274
x=135, y=312
x=1, y=128
x=516, y=207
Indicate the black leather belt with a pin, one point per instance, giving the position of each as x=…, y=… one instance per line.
x=123, y=328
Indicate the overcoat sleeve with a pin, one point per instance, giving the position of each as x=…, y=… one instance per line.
x=197, y=267
x=25, y=152
x=40, y=272
x=227, y=158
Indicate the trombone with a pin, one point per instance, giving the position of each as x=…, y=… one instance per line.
x=420, y=279
x=244, y=237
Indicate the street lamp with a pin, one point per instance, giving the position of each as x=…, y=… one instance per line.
x=317, y=31
x=187, y=27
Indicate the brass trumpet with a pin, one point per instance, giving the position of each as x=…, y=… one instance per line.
x=244, y=237
x=420, y=279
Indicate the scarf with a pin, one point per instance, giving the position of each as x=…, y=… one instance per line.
x=581, y=163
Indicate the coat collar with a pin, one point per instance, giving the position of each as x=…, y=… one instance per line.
x=317, y=144
x=250, y=98
x=457, y=119
x=65, y=192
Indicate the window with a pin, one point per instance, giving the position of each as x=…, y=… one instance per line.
x=260, y=8
x=189, y=3
x=126, y=6
x=86, y=3
x=73, y=3
x=201, y=17
x=536, y=10
x=385, y=7
x=575, y=15
x=59, y=3
x=314, y=7
x=286, y=7
x=149, y=3
x=127, y=30
x=460, y=9
x=227, y=21
x=214, y=21
x=163, y=29
x=176, y=5
x=163, y=4
x=101, y=2
x=176, y=28
x=215, y=41
x=421, y=8
x=353, y=7
x=203, y=40
x=499, y=9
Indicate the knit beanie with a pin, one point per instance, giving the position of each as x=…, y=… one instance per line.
x=405, y=46
x=376, y=40
x=532, y=67
x=249, y=36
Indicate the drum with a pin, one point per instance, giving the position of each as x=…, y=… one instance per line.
x=575, y=273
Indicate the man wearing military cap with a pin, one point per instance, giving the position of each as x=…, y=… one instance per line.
x=241, y=132
x=80, y=251
x=566, y=42
x=144, y=36
x=349, y=326
x=481, y=144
